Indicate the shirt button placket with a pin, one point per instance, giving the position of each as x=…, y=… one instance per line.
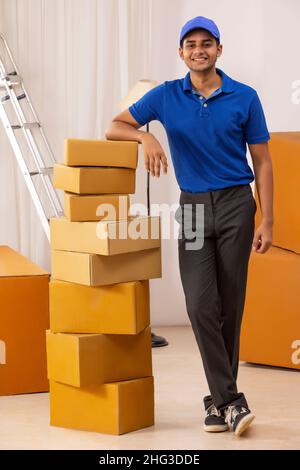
x=204, y=106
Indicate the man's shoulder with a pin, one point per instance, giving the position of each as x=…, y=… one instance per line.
x=161, y=87
x=173, y=83
x=243, y=88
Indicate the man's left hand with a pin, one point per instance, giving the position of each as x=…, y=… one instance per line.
x=262, y=238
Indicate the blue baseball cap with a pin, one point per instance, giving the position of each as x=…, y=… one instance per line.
x=200, y=22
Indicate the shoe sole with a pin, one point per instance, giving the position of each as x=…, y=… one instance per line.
x=216, y=428
x=244, y=424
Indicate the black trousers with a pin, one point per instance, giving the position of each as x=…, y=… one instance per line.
x=214, y=281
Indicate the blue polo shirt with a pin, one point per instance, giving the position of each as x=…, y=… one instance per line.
x=207, y=136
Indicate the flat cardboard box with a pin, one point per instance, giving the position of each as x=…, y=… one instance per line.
x=94, y=180
x=24, y=317
x=85, y=208
x=81, y=152
x=119, y=308
x=105, y=237
x=270, y=328
x=285, y=153
x=114, y=408
x=97, y=270
x=82, y=360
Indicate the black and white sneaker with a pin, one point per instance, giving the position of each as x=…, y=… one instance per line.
x=214, y=420
x=238, y=418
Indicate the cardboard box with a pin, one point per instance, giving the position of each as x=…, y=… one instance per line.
x=81, y=360
x=105, y=237
x=94, y=180
x=285, y=152
x=270, y=329
x=97, y=270
x=119, y=308
x=24, y=307
x=114, y=408
x=79, y=152
x=88, y=208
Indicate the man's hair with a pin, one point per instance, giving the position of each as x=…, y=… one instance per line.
x=184, y=37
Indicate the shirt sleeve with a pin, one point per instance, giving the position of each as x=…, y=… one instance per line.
x=150, y=107
x=256, y=130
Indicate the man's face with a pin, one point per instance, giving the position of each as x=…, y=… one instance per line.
x=200, y=50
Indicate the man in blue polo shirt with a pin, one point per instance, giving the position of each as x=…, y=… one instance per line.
x=209, y=119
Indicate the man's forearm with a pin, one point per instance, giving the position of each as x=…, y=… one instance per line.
x=122, y=131
x=264, y=184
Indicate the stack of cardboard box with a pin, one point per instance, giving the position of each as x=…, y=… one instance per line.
x=270, y=330
x=99, y=343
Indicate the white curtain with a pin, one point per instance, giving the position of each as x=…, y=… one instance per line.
x=78, y=58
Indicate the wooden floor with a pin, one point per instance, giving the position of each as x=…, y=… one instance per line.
x=273, y=395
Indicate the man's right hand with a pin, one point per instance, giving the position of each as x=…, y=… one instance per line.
x=154, y=156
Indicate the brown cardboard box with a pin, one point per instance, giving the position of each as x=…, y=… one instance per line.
x=105, y=237
x=24, y=317
x=114, y=408
x=270, y=329
x=118, y=308
x=98, y=270
x=94, y=180
x=85, y=208
x=82, y=360
x=80, y=152
x=285, y=153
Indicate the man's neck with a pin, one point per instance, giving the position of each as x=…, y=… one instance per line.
x=205, y=82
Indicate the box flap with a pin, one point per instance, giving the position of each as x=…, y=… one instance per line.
x=14, y=264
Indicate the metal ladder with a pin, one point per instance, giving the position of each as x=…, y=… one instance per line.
x=27, y=139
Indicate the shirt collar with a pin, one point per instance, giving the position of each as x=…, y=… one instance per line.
x=227, y=86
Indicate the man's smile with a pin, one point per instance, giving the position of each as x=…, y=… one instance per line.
x=200, y=60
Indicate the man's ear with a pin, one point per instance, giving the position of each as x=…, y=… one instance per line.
x=220, y=50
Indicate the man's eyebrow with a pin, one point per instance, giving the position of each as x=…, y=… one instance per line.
x=193, y=40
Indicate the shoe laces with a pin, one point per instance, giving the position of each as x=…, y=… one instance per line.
x=233, y=411
x=212, y=410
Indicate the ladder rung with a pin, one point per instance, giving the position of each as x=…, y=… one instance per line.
x=30, y=125
x=59, y=214
x=26, y=125
x=10, y=84
x=42, y=171
x=7, y=97
x=13, y=78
